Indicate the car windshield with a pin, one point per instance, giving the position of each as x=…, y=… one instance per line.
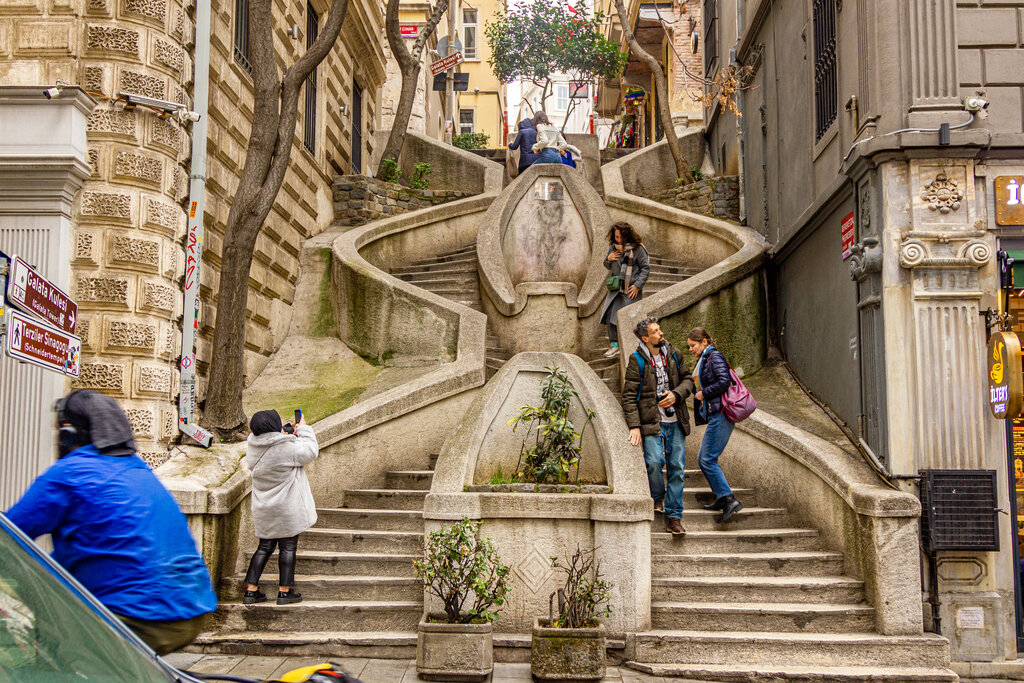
x=48, y=634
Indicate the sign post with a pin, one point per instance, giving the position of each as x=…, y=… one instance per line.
x=190, y=330
x=1005, y=376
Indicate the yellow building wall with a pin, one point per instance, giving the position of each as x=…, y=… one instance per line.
x=488, y=109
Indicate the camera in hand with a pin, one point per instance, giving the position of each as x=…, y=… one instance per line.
x=670, y=411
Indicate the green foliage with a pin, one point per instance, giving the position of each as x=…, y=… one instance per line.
x=419, y=176
x=500, y=477
x=470, y=140
x=557, y=444
x=457, y=564
x=580, y=600
x=535, y=40
x=697, y=174
x=389, y=172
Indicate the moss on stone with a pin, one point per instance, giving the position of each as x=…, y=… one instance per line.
x=323, y=324
x=336, y=386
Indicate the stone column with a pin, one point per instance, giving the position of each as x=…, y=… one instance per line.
x=930, y=61
x=43, y=162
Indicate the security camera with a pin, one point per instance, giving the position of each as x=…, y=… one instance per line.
x=975, y=104
x=184, y=115
x=52, y=92
x=133, y=99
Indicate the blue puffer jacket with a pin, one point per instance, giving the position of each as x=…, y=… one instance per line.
x=524, y=142
x=120, y=533
x=714, y=380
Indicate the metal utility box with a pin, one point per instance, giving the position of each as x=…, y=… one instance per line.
x=959, y=510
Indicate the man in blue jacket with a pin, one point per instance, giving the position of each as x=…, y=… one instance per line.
x=524, y=142
x=115, y=527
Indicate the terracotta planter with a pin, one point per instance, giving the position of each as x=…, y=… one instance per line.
x=454, y=652
x=567, y=654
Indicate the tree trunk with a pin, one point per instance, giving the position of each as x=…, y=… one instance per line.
x=661, y=88
x=275, y=114
x=409, y=65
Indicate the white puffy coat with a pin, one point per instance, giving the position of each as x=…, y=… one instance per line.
x=282, y=504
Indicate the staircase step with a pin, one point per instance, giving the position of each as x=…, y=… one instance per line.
x=602, y=363
x=410, y=480
x=320, y=615
x=761, y=649
x=458, y=259
x=774, y=673
x=381, y=520
x=391, y=645
x=613, y=384
x=806, y=589
x=453, y=291
x=385, y=499
x=436, y=269
x=471, y=249
x=495, y=364
x=427, y=281
x=747, y=518
x=433, y=460
x=760, y=616
x=351, y=564
x=497, y=354
x=330, y=587
x=739, y=541
x=362, y=541
x=807, y=563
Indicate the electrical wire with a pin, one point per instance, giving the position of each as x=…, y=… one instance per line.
x=907, y=130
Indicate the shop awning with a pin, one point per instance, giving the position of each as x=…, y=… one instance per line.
x=1018, y=268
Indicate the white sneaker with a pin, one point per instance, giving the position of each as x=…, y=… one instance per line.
x=612, y=352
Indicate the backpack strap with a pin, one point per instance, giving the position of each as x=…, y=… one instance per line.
x=643, y=367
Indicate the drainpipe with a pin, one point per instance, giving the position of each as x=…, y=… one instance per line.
x=740, y=105
x=194, y=243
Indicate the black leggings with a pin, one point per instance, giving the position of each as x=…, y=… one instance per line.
x=285, y=560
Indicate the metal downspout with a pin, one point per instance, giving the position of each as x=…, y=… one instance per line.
x=194, y=242
x=740, y=105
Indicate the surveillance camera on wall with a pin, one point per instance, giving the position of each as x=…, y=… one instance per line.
x=52, y=92
x=975, y=104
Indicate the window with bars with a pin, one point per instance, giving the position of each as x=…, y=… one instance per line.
x=710, y=36
x=467, y=120
x=826, y=99
x=242, y=35
x=470, y=24
x=309, y=124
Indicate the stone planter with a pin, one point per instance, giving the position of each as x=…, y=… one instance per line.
x=567, y=654
x=454, y=652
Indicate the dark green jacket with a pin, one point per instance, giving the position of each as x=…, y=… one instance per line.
x=644, y=413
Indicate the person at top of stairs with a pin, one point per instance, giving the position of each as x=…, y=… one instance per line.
x=711, y=378
x=282, y=502
x=654, y=403
x=628, y=261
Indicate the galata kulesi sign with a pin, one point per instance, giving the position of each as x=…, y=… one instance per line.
x=1005, y=380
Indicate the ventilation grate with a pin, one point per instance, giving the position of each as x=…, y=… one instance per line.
x=959, y=510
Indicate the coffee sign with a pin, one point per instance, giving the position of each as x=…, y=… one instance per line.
x=1010, y=200
x=1005, y=377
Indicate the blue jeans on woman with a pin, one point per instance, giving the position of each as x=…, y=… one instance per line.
x=667, y=449
x=716, y=436
x=549, y=155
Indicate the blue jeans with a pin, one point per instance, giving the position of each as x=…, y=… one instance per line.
x=549, y=155
x=716, y=436
x=668, y=449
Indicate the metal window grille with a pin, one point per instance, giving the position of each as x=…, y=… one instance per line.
x=959, y=510
x=242, y=35
x=710, y=36
x=309, y=122
x=825, y=72
x=469, y=29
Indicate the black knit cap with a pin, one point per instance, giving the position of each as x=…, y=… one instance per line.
x=99, y=420
x=265, y=421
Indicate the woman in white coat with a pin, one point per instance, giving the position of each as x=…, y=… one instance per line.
x=282, y=504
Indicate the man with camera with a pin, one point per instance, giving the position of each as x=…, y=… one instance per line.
x=653, y=401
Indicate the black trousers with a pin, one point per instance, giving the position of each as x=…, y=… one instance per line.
x=285, y=560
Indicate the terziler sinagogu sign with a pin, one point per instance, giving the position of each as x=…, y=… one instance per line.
x=1005, y=380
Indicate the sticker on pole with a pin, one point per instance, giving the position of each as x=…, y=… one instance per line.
x=32, y=293
x=42, y=344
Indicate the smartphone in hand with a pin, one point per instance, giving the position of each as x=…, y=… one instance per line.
x=298, y=415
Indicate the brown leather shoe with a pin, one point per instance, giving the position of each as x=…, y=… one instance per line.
x=659, y=506
x=674, y=527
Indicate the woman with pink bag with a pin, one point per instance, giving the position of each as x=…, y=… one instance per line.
x=714, y=379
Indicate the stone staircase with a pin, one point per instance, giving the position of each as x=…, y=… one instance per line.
x=354, y=568
x=742, y=601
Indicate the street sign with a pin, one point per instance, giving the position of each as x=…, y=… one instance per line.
x=42, y=344
x=1005, y=378
x=32, y=293
x=446, y=63
x=1009, y=200
x=847, y=228
x=409, y=30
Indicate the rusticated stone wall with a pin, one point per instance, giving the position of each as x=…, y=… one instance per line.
x=129, y=218
x=718, y=197
x=360, y=199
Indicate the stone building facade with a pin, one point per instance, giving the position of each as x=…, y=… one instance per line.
x=128, y=221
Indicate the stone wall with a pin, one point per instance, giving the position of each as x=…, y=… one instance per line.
x=359, y=199
x=717, y=197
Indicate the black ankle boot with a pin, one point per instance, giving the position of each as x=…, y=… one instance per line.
x=717, y=505
x=730, y=506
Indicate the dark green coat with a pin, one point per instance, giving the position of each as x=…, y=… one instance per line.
x=644, y=413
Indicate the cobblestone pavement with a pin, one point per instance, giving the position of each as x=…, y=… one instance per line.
x=367, y=670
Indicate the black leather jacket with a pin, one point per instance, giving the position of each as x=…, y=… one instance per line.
x=715, y=379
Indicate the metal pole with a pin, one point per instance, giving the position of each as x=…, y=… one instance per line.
x=449, y=79
x=194, y=241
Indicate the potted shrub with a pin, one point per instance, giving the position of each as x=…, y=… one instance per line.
x=466, y=574
x=571, y=645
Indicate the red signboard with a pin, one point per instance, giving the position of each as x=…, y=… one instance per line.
x=32, y=293
x=39, y=343
x=848, y=235
x=445, y=63
x=409, y=30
